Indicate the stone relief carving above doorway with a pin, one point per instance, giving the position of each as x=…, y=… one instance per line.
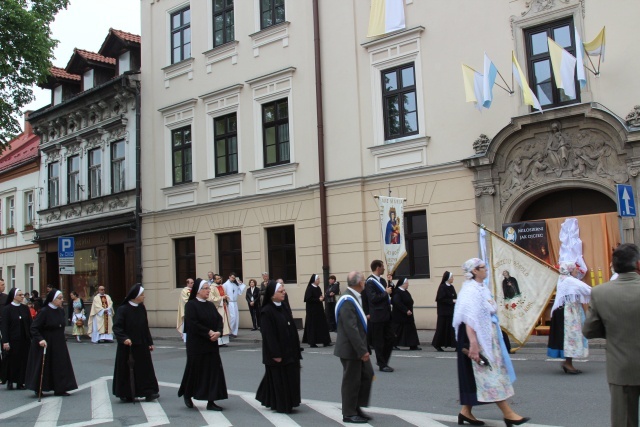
x=560, y=154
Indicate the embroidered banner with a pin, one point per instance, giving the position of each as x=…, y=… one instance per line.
x=530, y=236
x=523, y=286
x=392, y=227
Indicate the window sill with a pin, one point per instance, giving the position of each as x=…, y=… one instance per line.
x=178, y=69
x=275, y=178
x=400, y=154
x=224, y=187
x=181, y=195
x=220, y=53
x=270, y=35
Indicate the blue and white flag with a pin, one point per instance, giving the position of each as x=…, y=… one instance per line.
x=489, y=79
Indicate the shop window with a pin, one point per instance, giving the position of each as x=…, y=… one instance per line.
x=181, y=148
x=271, y=13
x=54, y=184
x=275, y=132
x=416, y=262
x=117, y=167
x=281, y=247
x=230, y=254
x=226, y=144
x=85, y=281
x=541, y=75
x=181, y=35
x=223, y=22
x=73, y=179
x=185, y=252
x=399, y=102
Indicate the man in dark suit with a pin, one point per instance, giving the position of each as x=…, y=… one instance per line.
x=614, y=315
x=378, y=296
x=353, y=351
x=253, y=301
x=331, y=296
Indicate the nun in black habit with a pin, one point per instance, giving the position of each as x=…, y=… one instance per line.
x=131, y=329
x=280, y=386
x=403, y=323
x=316, y=328
x=203, y=377
x=445, y=335
x=47, y=330
x=16, y=336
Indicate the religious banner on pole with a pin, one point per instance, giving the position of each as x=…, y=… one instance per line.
x=392, y=227
x=523, y=286
x=530, y=236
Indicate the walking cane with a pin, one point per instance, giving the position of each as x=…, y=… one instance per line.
x=44, y=354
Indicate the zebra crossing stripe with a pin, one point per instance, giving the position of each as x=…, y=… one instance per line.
x=155, y=415
x=49, y=412
x=330, y=411
x=280, y=420
x=213, y=418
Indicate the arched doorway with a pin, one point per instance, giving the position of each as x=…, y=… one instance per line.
x=565, y=203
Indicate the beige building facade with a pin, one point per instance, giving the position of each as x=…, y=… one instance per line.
x=231, y=180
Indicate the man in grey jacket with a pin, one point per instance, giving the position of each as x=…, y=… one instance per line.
x=353, y=351
x=614, y=315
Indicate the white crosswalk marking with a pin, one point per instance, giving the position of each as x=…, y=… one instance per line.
x=100, y=403
x=50, y=412
x=154, y=413
x=278, y=420
x=213, y=418
x=330, y=411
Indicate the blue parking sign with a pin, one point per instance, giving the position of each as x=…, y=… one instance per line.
x=66, y=250
x=626, y=200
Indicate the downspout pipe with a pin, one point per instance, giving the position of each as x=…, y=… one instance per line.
x=321, y=167
x=133, y=85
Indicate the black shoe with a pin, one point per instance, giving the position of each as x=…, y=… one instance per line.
x=386, y=369
x=188, y=401
x=462, y=419
x=363, y=415
x=329, y=344
x=9, y=386
x=437, y=347
x=521, y=421
x=126, y=399
x=395, y=347
x=151, y=397
x=254, y=329
x=355, y=419
x=211, y=406
x=21, y=387
x=415, y=347
x=313, y=346
x=61, y=393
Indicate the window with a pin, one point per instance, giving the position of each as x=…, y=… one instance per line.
x=226, y=144
x=275, y=132
x=57, y=95
x=11, y=214
x=124, y=62
x=117, y=167
x=95, y=173
x=185, y=260
x=73, y=179
x=223, y=26
x=180, y=35
x=230, y=253
x=11, y=276
x=539, y=61
x=399, y=102
x=87, y=80
x=416, y=262
x=28, y=269
x=271, y=13
x=54, y=180
x=181, y=147
x=29, y=208
x=281, y=245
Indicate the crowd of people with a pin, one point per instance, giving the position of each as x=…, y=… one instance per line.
x=372, y=313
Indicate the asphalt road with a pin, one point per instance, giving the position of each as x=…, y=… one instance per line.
x=423, y=391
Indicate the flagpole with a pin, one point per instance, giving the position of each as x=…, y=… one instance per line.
x=532, y=256
x=505, y=82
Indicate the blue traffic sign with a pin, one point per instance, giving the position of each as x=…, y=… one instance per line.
x=626, y=200
x=66, y=247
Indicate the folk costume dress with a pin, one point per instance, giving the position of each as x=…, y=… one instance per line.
x=58, y=371
x=280, y=386
x=480, y=384
x=16, y=331
x=203, y=377
x=131, y=323
x=316, y=328
x=567, y=316
x=404, y=326
x=445, y=335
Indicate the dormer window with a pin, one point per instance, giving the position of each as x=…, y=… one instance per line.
x=87, y=80
x=57, y=95
x=124, y=62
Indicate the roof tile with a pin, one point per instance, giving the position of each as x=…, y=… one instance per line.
x=61, y=73
x=126, y=36
x=23, y=148
x=94, y=56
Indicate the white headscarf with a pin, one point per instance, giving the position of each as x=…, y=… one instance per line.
x=569, y=289
x=471, y=265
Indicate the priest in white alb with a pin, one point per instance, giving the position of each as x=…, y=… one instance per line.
x=234, y=289
x=100, y=327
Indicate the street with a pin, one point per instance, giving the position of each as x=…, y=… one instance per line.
x=423, y=391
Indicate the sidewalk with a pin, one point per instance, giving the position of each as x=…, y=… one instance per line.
x=425, y=335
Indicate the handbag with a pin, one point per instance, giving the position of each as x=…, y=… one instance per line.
x=79, y=322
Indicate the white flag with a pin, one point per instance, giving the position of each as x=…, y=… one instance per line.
x=392, y=227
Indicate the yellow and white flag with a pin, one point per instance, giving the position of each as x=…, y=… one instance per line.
x=392, y=228
x=564, y=68
x=596, y=46
x=523, y=286
x=473, y=86
x=528, y=96
x=386, y=16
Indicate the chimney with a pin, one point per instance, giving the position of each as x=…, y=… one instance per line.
x=27, y=126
